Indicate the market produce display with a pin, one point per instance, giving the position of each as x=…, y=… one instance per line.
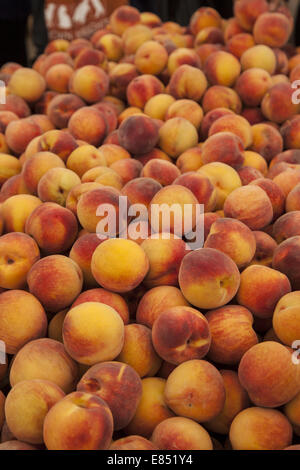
x=123, y=342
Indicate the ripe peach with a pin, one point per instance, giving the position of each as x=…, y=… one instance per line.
x=104, y=176
x=80, y=125
x=62, y=107
x=153, y=154
x=158, y=105
x=138, y=134
x=181, y=434
x=182, y=56
x=278, y=104
x=201, y=187
x=290, y=133
x=224, y=147
x=88, y=56
x=13, y=186
x=288, y=179
x=252, y=86
x=55, y=185
x=188, y=82
x=128, y=169
x=65, y=424
x=221, y=97
x=77, y=191
x=274, y=193
x=205, y=50
x=134, y=37
x=246, y=12
x=187, y=109
x=36, y=166
x=208, y=269
x=204, y=17
x=152, y=408
x=209, y=35
x=272, y=29
x=55, y=326
x=16, y=331
x=123, y=18
x=142, y=88
x=112, y=265
x=239, y=43
x=56, y=141
x=201, y=397
x=160, y=170
x=176, y=136
x=111, y=46
x=19, y=133
x=112, y=153
x=84, y=158
x=284, y=260
x=248, y=174
x=222, y=68
x=285, y=318
x=269, y=375
x=110, y=115
x=57, y=57
x=260, y=429
x=291, y=410
x=190, y=160
x=58, y=76
x=267, y=141
x=132, y=442
x=89, y=83
x=27, y=83
x=151, y=58
x=265, y=248
x=16, y=210
x=120, y=77
x=255, y=161
x=17, y=105
x=259, y=56
x=210, y=118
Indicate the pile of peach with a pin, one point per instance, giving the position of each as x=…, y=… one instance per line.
x=117, y=343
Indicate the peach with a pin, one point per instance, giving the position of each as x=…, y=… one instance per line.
x=132, y=442
x=44, y=359
x=153, y=154
x=16, y=445
x=103, y=296
x=267, y=141
x=109, y=113
x=181, y=434
x=134, y=37
x=16, y=210
x=55, y=185
x=257, y=214
x=80, y=127
x=33, y=398
x=260, y=429
x=252, y=86
x=222, y=68
x=76, y=46
x=180, y=334
x=284, y=260
x=16, y=331
x=5, y=118
x=269, y=375
x=237, y=322
x=160, y=170
x=248, y=174
x=58, y=76
x=290, y=133
x=272, y=29
x=122, y=18
x=234, y=124
x=66, y=422
x=236, y=401
x=278, y=104
x=285, y=318
x=158, y=105
x=17, y=105
x=233, y=238
x=56, y=281
x=274, y=193
x=118, y=385
x=142, y=88
x=77, y=191
x=291, y=410
x=42, y=121
x=151, y=58
x=190, y=160
x=120, y=77
x=19, y=133
x=9, y=166
x=36, y=166
x=90, y=83
x=57, y=45
x=246, y=12
x=176, y=136
x=183, y=83
x=113, y=153
x=62, y=107
x=223, y=177
x=253, y=115
x=55, y=326
x=18, y=254
x=209, y=35
x=56, y=141
x=88, y=56
x=239, y=43
x=85, y=333
x=205, y=50
x=256, y=161
x=187, y=109
x=203, y=18
x=27, y=83
x=288, y=179
x=201, y=397
x=265, y=248
x=208, y=270
x=289, y=156
x=209, y=119
x=104, y=176
x=57, y=57
x=221, y=97
x=111, y=46
x=150, y=19
x=128, y=169
x=292, y=200
x=259, y=56
x=224, y=147
x=152, y=408
x=84, y=158
x=182, y=56
x=112, y=265
x=138, y=134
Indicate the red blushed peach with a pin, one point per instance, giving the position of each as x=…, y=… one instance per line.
x=290, y=133
x=272, y=29
x=267, y=141
x=113, y=153
x=123, y=18
x=17, y=105
x=127, y=169
x=205, y=50
x=210, y=118
x=152, y=408
x=65, y=424
x=177, y=135
x=257, y=214
x=236, y=401
x=82, y=252
x=187, y=109
x=53, y=227
x=142, y=88
x=55, y=185
x=285, y=260
x=77, y=191
x=181, y=434
x=265, y=248
x=274, y=193
x=134, y=37
x=190, y=160
x=141, y=190
x=155, y=301
x=18, y=253
x=201, y=187
x=269, y=375
x=183, y=83
x=120, y=77
x=103, y=296
x=76, y=46
x=246, y=12
x=27, y=83
x=259, y=56
x=160, y=170
x=118, y=385
x=5, y=118
x=112, y=265
x=44, y=359
x=33, y=398
x=133, y=443
x=16, y=210
x=111, y=46
x=62, y=107
x=138, y=134
x=293, y=200
x=253, y=115
x=248, y=174
x=203, y=18
x=201, y=397
x=58, y=77
x=237, y=323
x=19, y=133
x=278, y=104
x=88, y=56
x=36, y=166
x=210, y=35
x=260, y=429
x=16, y=331
x=90, y=83
x=221, y=97
x=252, y=86
x=85, y=333
x=150, y=19
x=233, y=238
x=15, y=185
x=57, y=45
x=209, y=219
x=288, y=179
x=208, y=270
x=182, y=56
x=42, y=121
x=59, y=142
x=239, y=43
x=80, y=125
x=84, y=158
x=181, y=334
x=58, y=57
x=62, y=274
x=261, y=288
x=286, y=318
x=224, y=147
x=222, y=68
x=151, y=58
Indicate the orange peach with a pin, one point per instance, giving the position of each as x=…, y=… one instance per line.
x=256, y=161
x=272, y=29
x=111, y=46
x=134, y=37
x=204, y=17
x=36, y=166
x=84, y=158
x=19, y=133
x=209, y=119
x=123, y=18
x=190, y=160
x=120, y=77
x=89, y=83
x=209, y=35
x=288, y=179
x=112, y=153
x=278, y=104
x=252, y=86
x=221, y=97
x=151, y=58
x=88, y=56
x=259, y=56
x=182, y=56
x=267, y=141
x=27, y=83
x=188, y=82
x=16, y=210
x=142, y=88
x=58, y=76
x=285, y=318
x=234, y=124
x=158, y=105
x=187, y=109
x=246, y=12
x=57, y=57
x=284, y=260
x=55, y=185
x=222, y=68
x=224, y=147
x=265, y=248
x=239, y=43
x=80, y=127
x=62, y=107
x=56, y=141
x=160, y=170
x=77, y=191
x=132, y=442
x=128, y=169
x=176, y=136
